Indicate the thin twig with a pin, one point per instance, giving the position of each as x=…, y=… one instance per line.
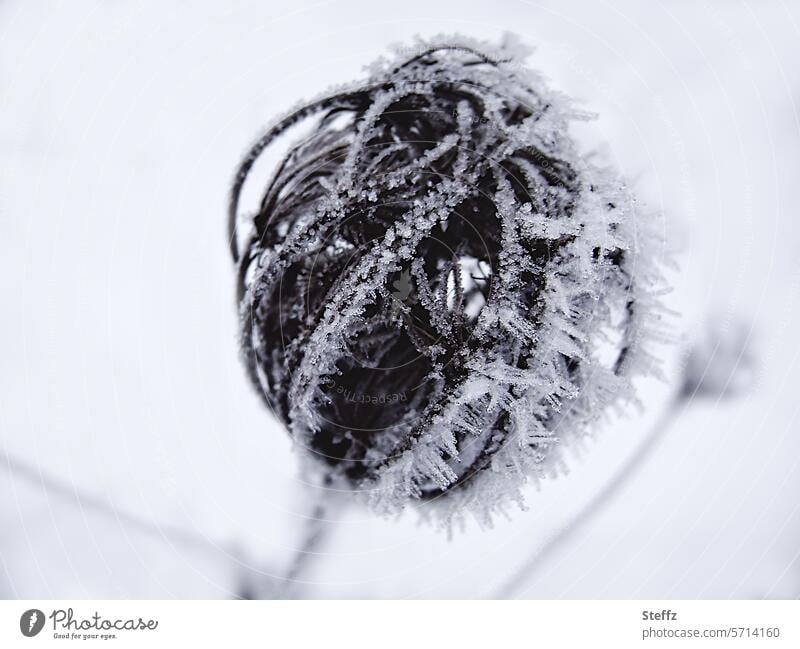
x=87, y=501
x=315, y=533
x=668, y=417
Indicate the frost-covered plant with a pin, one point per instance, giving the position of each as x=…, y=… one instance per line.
x=438, y=291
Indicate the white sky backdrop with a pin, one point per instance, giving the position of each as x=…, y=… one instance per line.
x=120, y=126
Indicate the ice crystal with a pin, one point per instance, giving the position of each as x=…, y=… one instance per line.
x=439, y=292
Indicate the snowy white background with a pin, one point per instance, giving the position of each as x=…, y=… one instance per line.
x=120, y=385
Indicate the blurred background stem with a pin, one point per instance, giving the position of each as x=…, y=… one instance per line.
x=315, y=532
x=670, y=414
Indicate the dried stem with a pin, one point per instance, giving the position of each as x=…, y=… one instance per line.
x=669, y=416
x=87, y=501
x=315, y=533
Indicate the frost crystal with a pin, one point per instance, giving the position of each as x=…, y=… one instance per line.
x=439, y=292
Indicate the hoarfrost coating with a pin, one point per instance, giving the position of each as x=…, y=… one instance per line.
x=437, y=291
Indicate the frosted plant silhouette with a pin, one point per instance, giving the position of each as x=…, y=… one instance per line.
x=438, y=292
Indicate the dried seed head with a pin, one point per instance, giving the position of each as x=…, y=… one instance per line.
x=720, y=362
x=438, y=289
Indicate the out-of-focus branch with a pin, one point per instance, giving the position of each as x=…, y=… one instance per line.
x=718, y=365
x=314, y=535
x=601, y=498
x=166, y=533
